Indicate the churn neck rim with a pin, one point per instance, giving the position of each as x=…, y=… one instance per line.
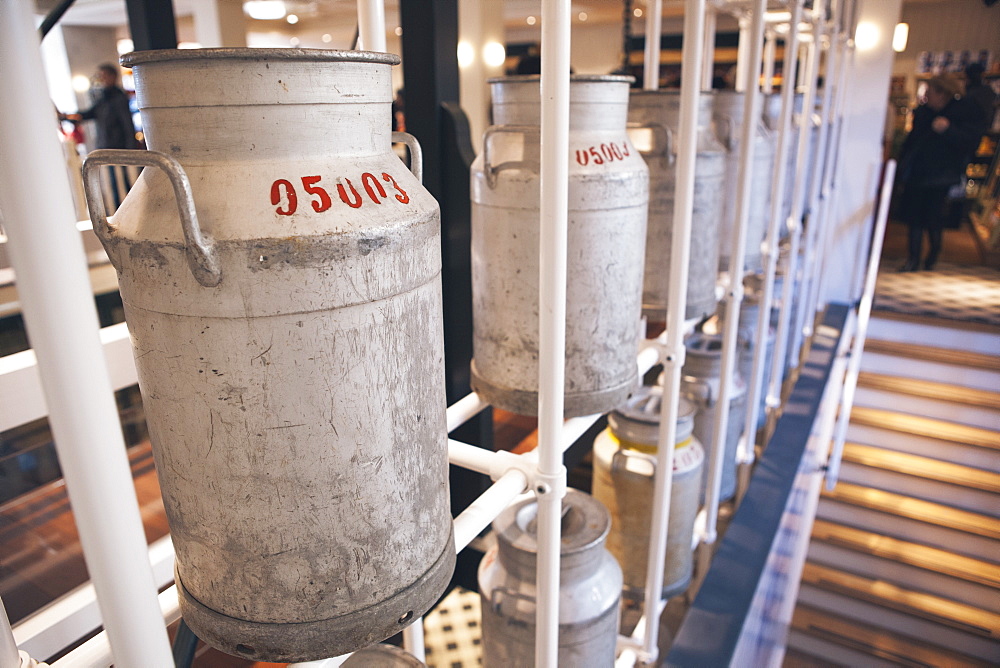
x=233, y=53
x=574, y=78
x=585, y=524
x=667, y=92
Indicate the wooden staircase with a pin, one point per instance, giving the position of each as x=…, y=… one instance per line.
x=904, y=564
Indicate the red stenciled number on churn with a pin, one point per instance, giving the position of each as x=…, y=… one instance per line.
x=599, y=155
x=285, y=199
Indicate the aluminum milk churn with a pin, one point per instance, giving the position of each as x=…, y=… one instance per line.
x=728, y=114
x=383, y=655
x=655, y=116
x=590, y=586
x=701, y=384
x=624, y=463
x=287, y=331
x=608, y=191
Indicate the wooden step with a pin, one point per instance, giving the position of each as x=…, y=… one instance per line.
x=971, y=336
x=965, y=618
x=924, y=511
x=914, y=351
x=922, y=467
x=924, y=446
x=816, y=651
x=922, y=556
x=930, y=389
x=888, y=363
x=847, y=559
x=899, y=650
x=929, y=427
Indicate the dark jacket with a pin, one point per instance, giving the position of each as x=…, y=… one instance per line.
x=929, y=158
x=113, y=117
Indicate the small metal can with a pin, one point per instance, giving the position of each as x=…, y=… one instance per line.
x=624, y=464
x=590, y=585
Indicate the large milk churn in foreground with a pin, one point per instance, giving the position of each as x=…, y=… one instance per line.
x=624, y=463
x=608, y=190
x=661, y=109
x=287, y=330
x=729, y=119
x=590, y=584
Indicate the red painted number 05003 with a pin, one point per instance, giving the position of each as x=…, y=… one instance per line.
x=602, y=154
x=282, y=189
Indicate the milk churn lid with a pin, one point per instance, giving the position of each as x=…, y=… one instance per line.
x=232, y=53
x=585, y=524
x=574, y=78
x=383, y=656
x=638, y=419
x=703, y=344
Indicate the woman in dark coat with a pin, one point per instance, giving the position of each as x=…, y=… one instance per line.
x=932, y=160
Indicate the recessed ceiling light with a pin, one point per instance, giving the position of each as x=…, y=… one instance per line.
x=327, y=38
x=637, y=12
x=295, y=41
x=265, y=10
x=398, y=31
x=292, y=18
x=531, y=20
x=583, y=16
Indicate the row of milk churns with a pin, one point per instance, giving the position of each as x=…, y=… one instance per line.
x=280, y=273
x=622, y=174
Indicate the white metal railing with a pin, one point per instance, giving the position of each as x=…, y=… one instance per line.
x=541, y=470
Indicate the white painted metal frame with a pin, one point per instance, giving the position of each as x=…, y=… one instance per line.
x=734, y=293
x=756, y=382
x=52, y=280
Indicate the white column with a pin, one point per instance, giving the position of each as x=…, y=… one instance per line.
x=59, y=313
x=219, y=23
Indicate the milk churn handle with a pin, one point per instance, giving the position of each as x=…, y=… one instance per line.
x=659, y=131
x=703, y=390
x=509, y=593
x=621, y=454
x=730, y=124
x=489, y=168
x=416, y=153
x=200, y=252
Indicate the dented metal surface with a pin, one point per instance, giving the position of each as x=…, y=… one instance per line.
x=608, y=191
x=651, y=109
x=296, y=408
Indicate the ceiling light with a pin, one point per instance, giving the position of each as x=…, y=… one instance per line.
x=899, y=37
x=466, y=54
x=866, y=37
x=294, y=41
x=292, y=18
x=637, y=12
x=327, y=38
x=81, y=83
x=583, y=16
x=264, y=10
x=494, y=54
x=531, y=20
x=124, y=46
x=398, y=31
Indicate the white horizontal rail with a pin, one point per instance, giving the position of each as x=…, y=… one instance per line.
x=74, y=615
x=21, y=397
x=96, y=652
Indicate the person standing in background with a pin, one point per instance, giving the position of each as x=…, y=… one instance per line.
x=932, y=160
x=981, y=95
x=111, y=113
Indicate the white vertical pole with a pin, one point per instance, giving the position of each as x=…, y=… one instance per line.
x=8, y=648
x=824, y=151
x=708, y=56
x=553, y=226
x=770, y=47
x=734, y=295
x=755, y=385
x=651, y=54
x=687, y=146
x=413, y=639
x=59, y=312
x=795, y=219
x=371, y=24
x=742, y=53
